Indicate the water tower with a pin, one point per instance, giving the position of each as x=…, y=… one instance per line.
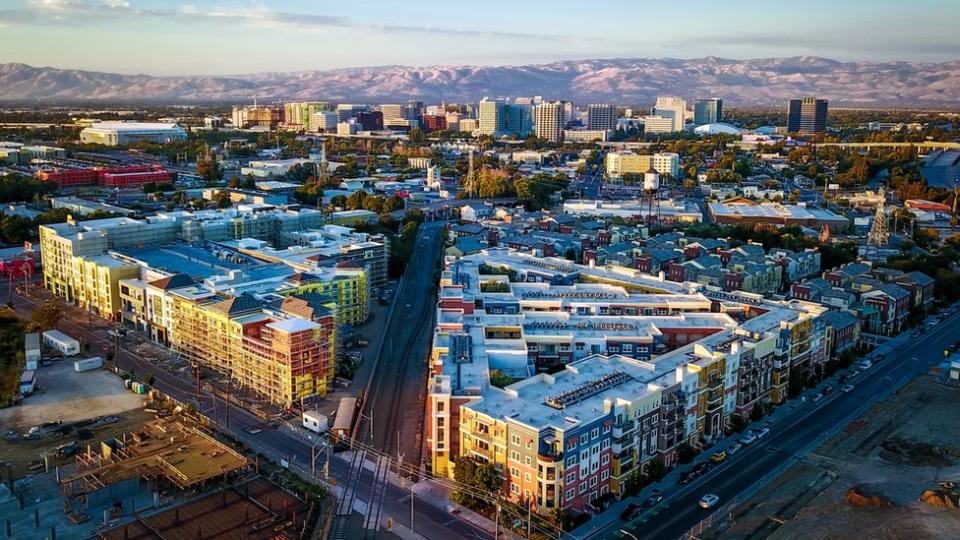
x=651, y=193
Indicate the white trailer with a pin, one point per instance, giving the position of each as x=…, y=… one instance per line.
x=56, y=339
x=88, y=364
x=315, y=422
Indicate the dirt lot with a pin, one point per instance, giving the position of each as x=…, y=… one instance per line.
x=90, y=407
x=866, y=481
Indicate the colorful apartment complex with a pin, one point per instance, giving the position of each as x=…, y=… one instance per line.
x=269, y=326
x=608, y=379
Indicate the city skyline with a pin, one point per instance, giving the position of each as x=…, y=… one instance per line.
x=164, y=38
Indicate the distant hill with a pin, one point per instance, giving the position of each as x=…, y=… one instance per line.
x=762, y=81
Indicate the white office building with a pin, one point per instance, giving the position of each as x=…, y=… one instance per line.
x=674, y=108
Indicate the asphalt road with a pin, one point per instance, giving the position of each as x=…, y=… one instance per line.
x=807, y=425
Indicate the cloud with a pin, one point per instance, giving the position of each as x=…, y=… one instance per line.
x=60, y=12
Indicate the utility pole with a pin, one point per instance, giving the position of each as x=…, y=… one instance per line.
x=496, y=523
x=529, y=515
x=411, y=508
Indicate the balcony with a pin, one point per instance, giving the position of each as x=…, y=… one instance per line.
x=619, y=430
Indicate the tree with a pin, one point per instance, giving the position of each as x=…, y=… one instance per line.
x=477, y=477
x=393, y=204
x=758, y=412
x=208, y=168
x=686, y=452
x=499, y=378
x=656, y=469
x=738, y=423
x=47, y=315
x=223, y=199
x=415, y=136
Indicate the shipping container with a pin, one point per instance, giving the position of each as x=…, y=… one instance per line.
x=56, y=339
x=88, y=364
x=32, y=352
x=343, y=423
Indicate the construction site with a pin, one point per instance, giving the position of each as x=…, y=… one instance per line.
x=169, y=478
x=888, y=474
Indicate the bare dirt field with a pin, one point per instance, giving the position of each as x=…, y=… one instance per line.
x=68, y=406
x=867, y=481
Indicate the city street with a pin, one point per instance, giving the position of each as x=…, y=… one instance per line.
x=294, y=446
x=795, y=429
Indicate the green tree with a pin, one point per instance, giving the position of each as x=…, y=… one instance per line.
x=393, y=204
x=415, y=136
x=477, y=477
x=686, y=453
x=499, y=378
x=656, y=469
x=223, y=199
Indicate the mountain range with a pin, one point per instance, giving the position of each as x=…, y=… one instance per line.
x=762, y=81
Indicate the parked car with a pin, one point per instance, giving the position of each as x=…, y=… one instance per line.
x=844, y=378
x=686, y=478
x=827, y=389
x=846, y=388
x=750, y=438
x=817, y=397
x=734, y=448
x=630, y=512
x=763, y=432
x=719, y=456
x=654, y=499
x=709, y=500
x=701, y=468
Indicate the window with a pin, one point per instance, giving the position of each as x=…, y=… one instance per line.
x=585, y=438
x=514, y=488
x=579, y=346
x=627, y=347
x=584, y=455
x=526, y=477
x=571, y=493
x=571, y=444
x=527, y=461
x=614, y=348
x=583, y=487
x=605, y=474
x=595, y=433
x=572, y=477
x=604, y=459
x=515, y=439
x=571, y=461
x=593, y=481
x=606, y=428
x=514, y=455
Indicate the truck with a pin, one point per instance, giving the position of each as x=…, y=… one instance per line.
x=88, y=364
x=315, y=421
x=57, y=340
x=32, y=352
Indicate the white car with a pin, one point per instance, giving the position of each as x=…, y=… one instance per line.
x=865, y=365
x=748, y=439
x=846, y=388
x=709, y=500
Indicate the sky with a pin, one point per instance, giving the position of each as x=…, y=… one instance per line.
x=218, y=37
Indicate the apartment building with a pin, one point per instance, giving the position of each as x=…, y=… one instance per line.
x=633, y=375
x=621, y=163
x=548, y=121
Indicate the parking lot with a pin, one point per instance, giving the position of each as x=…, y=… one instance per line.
x=67, y=406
